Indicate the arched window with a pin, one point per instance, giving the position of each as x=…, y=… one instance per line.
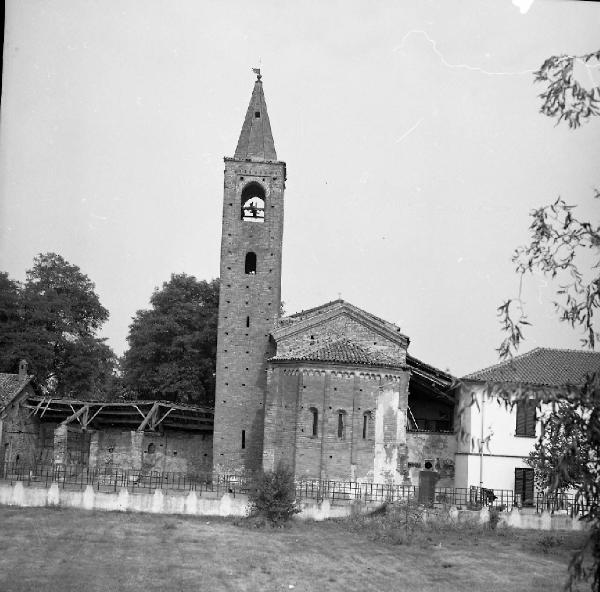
x=250, y=263
x=341, y=429
x=253, y=203
x=315, y=422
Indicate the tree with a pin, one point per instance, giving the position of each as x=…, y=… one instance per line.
x=560, y=439
x=52, y=321
x=558, y=249
x=173, y=346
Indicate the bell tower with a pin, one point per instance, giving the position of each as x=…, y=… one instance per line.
x=250, y=296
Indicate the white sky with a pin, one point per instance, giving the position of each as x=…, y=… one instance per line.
x=411, y=132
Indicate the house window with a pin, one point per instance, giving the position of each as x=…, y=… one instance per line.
x=250, y=263
x=525, y=418
x=315, y=422
x=524, y=486
x=341, y=428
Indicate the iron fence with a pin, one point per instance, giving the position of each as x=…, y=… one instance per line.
x=114, y=478
x=561, y=503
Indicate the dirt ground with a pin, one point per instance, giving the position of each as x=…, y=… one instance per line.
x=71, y=550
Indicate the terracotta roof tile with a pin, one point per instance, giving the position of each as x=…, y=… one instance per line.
x=10, y=386
x=341, y=351
x=544, y=366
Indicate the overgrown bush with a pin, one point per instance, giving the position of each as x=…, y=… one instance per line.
x=273, y=496
x=495, y=512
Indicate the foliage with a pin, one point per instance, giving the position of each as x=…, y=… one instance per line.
x=52, y=321
x=274, y=495
x=173, y=345
x=559, y=248
x=495, y=513
x=561, y=438
x=564, y=96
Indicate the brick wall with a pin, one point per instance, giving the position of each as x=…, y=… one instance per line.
x=249, y=306
x=174, y=451
x=439, y=449
x=19, y=440
x=342, y=326
x=336, y=452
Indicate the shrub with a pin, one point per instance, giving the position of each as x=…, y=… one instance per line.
x=274, y=496
x=495, y=516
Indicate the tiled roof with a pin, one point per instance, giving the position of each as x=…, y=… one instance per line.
x=544, y=366
x=10, y=386
x=341, y=351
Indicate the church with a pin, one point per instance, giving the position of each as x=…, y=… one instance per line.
x=332, y=392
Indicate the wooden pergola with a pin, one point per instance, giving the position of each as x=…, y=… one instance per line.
x=137, y=415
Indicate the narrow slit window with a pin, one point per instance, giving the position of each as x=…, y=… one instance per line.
x=247, y=321
x=341, y=429
x=315, y=422
x=250, y=263
x=365, y=430
x=243, y=439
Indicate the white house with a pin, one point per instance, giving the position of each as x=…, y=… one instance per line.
x=496, y=439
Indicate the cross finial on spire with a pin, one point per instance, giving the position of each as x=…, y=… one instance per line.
x=257, y=72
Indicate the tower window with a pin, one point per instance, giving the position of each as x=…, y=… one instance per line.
x=253, y=203
x=341, y=429
x=243, y=439
x=257, y=114
x=247, y=321
x=250, y=263
x=315, y=421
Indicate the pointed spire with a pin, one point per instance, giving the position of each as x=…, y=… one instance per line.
x=256, y=139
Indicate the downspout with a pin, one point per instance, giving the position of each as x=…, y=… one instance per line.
x=481, y=440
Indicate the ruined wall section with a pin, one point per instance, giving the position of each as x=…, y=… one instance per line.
x=19, y=441
x=169, y=451
x=437, y=449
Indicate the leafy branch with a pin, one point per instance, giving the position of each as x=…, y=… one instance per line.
x=565, y=97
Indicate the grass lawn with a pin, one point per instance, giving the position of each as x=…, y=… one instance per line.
x=66, y=550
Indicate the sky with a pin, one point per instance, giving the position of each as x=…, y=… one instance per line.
x=414, y=145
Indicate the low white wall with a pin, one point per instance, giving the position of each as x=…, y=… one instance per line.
x=193, y=504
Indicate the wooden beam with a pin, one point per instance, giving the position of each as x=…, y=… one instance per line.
x=149, y=417
x=163, y=417
x=76, y=415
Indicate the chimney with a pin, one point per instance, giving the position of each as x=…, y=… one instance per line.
x=23, y=369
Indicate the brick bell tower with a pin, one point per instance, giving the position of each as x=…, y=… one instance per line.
x=250, y=296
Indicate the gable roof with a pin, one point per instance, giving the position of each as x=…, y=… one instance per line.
x=302, y=321
x=11, y=385
x=543, y=366
x=341, y=351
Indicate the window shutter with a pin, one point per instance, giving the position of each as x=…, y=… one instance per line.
x=519, y=482
x=528, y=486
x=521, y=419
